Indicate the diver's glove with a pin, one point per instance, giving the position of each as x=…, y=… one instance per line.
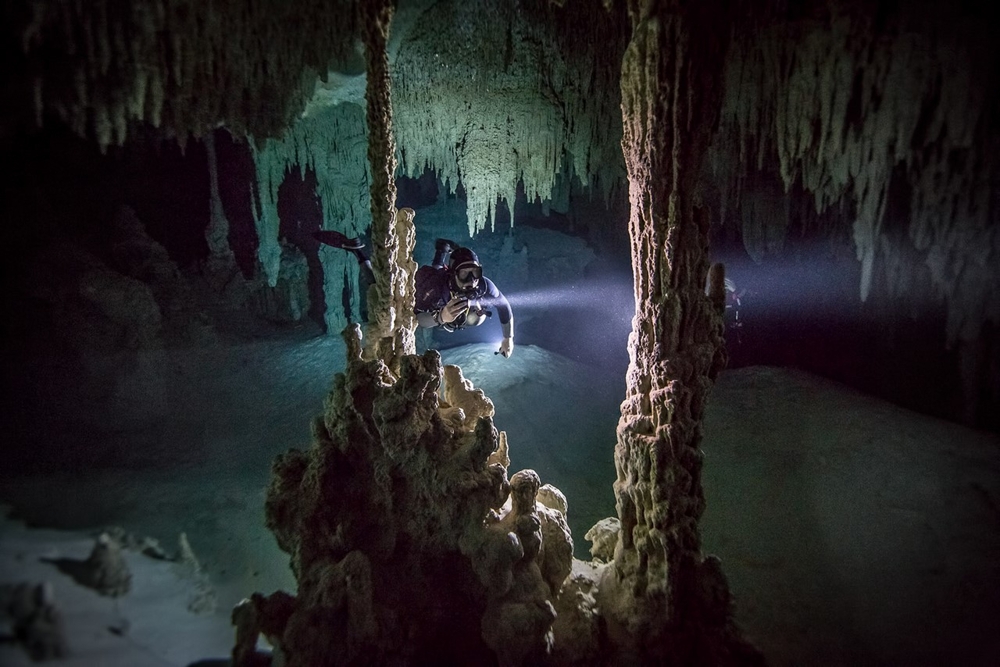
x=454, y=308
x=506, y=347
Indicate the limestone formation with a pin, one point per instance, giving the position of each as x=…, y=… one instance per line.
x=395, y=520
x=518, y=619
x=604, y=537
x=96, y=309
x=851, y=106
x=651, y=596
x=221, y=264
x=831, y=104
x=553, y=498
x=390, y=299
x=98, y=67
x=285, y=300
x=578, y=635
x=397, y=531
x=330, y=142
x=37, y=624
x=501, y=455
x=202, y=598
x=391, y=322
x=105, y=570
x=135, y=254
x=509, y=94
x=460, y=394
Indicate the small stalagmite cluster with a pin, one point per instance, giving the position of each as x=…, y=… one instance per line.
x=398, y=533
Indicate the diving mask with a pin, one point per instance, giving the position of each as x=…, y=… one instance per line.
x=468, y=272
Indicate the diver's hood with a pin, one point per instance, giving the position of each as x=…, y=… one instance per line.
x=461, y=257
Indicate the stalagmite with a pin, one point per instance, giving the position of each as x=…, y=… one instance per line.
x=399, y=536
x=34, y=620
x=105, y=569
x=390, y=300
x=652, y=595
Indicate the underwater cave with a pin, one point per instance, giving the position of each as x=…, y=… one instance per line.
x=746, y=410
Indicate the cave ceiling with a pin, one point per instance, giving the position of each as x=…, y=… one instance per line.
x=849, y=105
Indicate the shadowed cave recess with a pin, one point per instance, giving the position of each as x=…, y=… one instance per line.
x=665, y=191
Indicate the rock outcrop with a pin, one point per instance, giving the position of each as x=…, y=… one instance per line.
x=400, y=535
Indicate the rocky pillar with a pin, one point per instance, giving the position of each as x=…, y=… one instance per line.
x=391, y=327
x=221, y=263
x=665, y=603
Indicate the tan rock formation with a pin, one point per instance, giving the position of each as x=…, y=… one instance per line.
x=518, y=619
x=390, y=299
x=461, y=395
x=651, y=595
x=397, y=533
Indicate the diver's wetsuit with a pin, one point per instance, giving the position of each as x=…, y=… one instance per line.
x=434, y=291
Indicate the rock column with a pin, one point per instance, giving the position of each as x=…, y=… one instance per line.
x=665, y=603
x=391, y=328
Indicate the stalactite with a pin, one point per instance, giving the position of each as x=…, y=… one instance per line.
x=330, y=141
x=270, y=164
x=102, y=64
x=841, y=103
x=496, y=100
x=221, y=259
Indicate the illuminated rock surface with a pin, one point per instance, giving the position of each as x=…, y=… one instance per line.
x=860, y=139
x=387, y=521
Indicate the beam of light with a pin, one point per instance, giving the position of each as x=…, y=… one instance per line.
x=587, y=319
x=566, y=295
x=609, y=296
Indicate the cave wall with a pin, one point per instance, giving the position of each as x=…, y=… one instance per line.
x=856, y=151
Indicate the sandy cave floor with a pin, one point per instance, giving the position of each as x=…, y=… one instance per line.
x=853, y=532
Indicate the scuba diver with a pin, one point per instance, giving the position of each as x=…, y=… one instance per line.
x=451, y=293
x=734, y=302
